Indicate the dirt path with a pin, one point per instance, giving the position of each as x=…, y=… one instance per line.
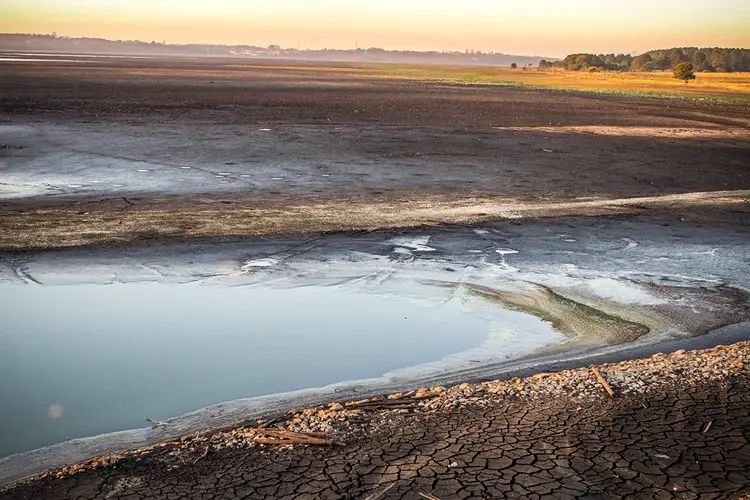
x=678, y=427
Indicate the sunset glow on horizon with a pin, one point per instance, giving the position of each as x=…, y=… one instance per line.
x=540, y=27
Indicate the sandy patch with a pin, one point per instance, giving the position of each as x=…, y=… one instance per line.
x=657, y=132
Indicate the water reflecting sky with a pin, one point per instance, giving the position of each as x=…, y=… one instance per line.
x=88, y=359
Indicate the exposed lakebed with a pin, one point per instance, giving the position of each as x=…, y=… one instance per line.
x=95, y=340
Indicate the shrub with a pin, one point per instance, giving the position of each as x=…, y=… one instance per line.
x=684, y=71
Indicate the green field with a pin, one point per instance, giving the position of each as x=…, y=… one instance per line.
x=731, y=87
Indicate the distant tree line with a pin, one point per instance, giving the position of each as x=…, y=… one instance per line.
x=706, y=59
x=25, y=42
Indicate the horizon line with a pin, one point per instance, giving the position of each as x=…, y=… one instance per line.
x=350, y=49
x=165, y=43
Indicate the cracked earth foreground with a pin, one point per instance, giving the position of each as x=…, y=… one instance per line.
x=677, y=427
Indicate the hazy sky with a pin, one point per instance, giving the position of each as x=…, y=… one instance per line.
x=541, y=27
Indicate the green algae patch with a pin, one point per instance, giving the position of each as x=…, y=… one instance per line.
x=572, y=318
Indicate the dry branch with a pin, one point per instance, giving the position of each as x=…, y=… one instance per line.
x=203, y=455
x=284, y=437
x=283, y=418
x=379, y=494
x=288, y=433
x=385, y=407
x=427, y=496
x=603, y=382
x=406, y=402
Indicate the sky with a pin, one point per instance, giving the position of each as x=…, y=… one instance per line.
x=525, y=27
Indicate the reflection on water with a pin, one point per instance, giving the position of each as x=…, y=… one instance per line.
x=89, y=359
x=566, y=315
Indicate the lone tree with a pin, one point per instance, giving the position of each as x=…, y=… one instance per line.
x=684, y=71
x=514, y=66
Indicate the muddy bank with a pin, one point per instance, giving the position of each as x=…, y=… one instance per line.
x=124, y=220
x=138, y=151
x=199, y=128
x=676, y=426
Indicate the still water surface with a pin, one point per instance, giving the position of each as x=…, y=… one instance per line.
x=89, y=359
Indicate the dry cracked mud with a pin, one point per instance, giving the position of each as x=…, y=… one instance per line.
x=678, y=427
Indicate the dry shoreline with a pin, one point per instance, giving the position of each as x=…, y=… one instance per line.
x=694, y=441
x=122, y=153
x=78, y=223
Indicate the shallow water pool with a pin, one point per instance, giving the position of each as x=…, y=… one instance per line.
x=89, y=359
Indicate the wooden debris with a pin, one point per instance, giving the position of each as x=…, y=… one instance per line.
x=283, y=418
x=427, y=496
x=404, y=403
x=380, y=493
x=205, y=452
x=601, y=380
x=386, y=407
x=286, y=432
x=708, y=426
x=285, y=437
x=406, y=398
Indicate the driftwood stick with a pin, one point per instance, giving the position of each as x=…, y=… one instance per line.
x=315, y=434
x=277, y=420
x=284, y=441
x=390, y=402
x=427, y=496
x=277, y=432
x=283, y=436
x=602, y=381
x=290, y=441
x=203, y=455
x=385, y=407
x=380, y=493
x=287, y=432
x=273, y=441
